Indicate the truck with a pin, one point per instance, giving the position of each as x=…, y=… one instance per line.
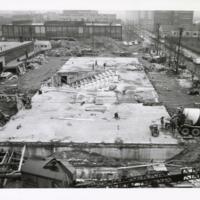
x=189, y=122
x=196, y=61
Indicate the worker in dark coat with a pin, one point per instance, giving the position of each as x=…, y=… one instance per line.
x=116, y=115
x=162, y=122
x=180, y=117
x=173, y=125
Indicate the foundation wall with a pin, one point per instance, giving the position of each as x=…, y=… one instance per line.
x=141, y=152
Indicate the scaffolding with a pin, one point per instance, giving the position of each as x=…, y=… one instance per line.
x=10, y=165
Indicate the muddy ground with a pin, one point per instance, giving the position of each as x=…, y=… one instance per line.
x=173, y=95
x=33, y=79
x=169, y=90
x=29, y=82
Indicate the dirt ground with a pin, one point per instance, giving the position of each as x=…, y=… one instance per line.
x=170, y=93
x=173, y=95
x=29, y=82
x=33, y=79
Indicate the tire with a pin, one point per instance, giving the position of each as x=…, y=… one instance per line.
x=185, y=131
x=155, y=134
x=195, y=132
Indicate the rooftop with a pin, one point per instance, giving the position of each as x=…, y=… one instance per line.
x=4, y=46
x=37, y=167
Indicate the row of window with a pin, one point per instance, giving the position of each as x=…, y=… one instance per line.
x=42, y=46
x=16, y=31
x=187, y=33
x=19, y=30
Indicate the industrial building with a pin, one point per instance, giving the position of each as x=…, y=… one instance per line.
x=150, y=19
x=190, y=31
x=175, y=18
x=12, y=55
x=89, y=15
x=23, y=31
x=60, y=30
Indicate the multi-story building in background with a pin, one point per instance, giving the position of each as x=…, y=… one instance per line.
x=183, y=18
x=88, y=15
x=26, y=30
x=169, y=23
x=150, y=19
x=23, y=30
x=176, y=18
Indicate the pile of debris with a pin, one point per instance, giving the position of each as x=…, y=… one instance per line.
x=156, y=67
x=35, y=62
x=59, y=52
x=80, y=158
x=190, y=156
x=8, y=76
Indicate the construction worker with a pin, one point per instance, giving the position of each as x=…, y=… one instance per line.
x=162, y=122
x=173, y=124
x=104, y=66
x=116, y=115
x=180, y=117
x=39, y=91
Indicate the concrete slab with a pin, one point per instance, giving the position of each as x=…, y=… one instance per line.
x=58, y=115
x=53, y=117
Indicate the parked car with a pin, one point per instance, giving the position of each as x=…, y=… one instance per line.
x=196, y=61
x=147, y=57
x=6, y=75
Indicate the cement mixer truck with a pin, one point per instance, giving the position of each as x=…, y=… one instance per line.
x=188, y=122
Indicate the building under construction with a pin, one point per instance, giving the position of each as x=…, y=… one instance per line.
x=102, y=105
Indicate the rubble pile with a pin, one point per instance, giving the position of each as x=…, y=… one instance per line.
x=59, y=52
x=38, y=60
x=80, y=158
x=157, y=67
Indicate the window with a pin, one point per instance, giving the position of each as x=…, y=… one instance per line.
x=187, y=33
x=52, y=166
x=37, y=29
x=16, y=30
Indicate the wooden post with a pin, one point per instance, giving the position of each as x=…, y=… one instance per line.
x=22, y=158
x=179, y=48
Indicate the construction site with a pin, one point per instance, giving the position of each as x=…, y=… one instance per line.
x=98, y=112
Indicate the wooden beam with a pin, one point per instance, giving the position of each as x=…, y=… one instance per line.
x=22, y=158
x=3, y=160
x=10, y=175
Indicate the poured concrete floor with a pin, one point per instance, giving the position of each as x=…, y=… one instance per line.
x=58, y=115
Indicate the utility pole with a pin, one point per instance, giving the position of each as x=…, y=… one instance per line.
x=179, y=48
x=158, y=38
x=93, y=35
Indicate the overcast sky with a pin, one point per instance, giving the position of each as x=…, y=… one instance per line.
x=100, y=4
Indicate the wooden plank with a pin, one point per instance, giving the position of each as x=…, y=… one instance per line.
x=22, y=158
x=4, y=158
